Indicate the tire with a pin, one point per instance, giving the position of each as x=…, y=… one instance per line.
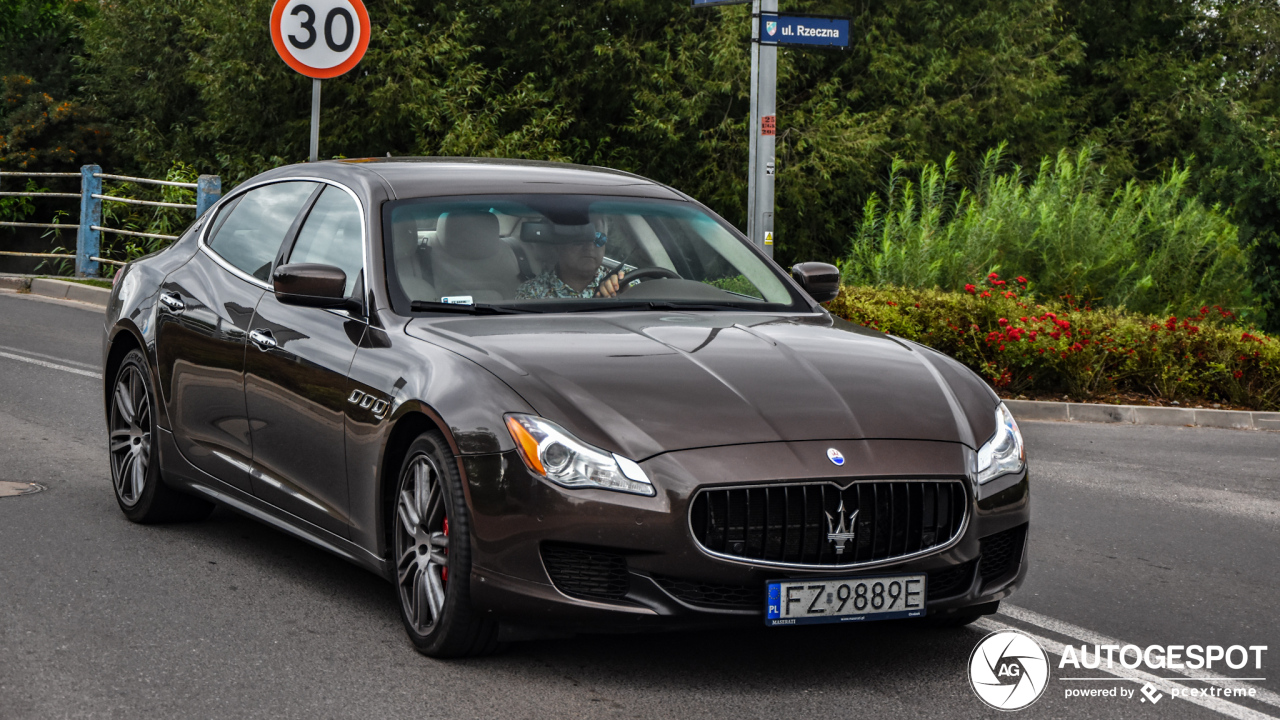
x=431, y=548
x=140, y=491
x=963, y=616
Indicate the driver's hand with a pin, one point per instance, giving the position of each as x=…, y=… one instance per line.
x=608, y=287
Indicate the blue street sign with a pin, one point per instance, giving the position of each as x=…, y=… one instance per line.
x=801, y=30
x=709, y=3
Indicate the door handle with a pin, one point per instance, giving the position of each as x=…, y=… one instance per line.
x=263, y=339
x=172, y=303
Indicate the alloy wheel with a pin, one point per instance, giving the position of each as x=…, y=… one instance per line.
x=422, y=544
x=130, y=439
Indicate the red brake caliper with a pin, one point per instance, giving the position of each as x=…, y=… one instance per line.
x=444, y=571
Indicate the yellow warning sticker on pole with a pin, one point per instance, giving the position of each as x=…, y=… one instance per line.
x=768, y=238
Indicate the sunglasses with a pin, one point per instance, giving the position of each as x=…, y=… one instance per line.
x=601, y=239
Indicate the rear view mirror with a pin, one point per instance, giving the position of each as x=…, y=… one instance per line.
x=310, y=285
x=820, y=280
x=552, y=234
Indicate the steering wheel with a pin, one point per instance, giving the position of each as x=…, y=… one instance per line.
x=645, y=273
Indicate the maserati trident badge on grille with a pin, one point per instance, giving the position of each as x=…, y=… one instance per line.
x=841, y=533
x=834, y=456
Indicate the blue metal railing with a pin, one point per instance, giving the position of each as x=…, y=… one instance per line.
x=89, y=230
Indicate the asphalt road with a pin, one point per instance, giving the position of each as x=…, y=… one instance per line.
x=1143, y=535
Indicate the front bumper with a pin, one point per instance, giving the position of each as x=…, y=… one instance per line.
x=669, y=581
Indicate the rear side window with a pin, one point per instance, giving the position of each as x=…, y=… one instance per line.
x=248, y=232
x=331, y=235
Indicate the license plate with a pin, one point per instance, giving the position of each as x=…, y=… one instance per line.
x=855, y=599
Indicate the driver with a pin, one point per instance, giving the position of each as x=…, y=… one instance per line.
x=578, y=273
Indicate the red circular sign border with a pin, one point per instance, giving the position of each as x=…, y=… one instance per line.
x=277, y=39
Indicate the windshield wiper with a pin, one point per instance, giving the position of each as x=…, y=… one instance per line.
x=476, y=309
x=655, y=305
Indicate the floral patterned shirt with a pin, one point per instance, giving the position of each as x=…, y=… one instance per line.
x=549, y=285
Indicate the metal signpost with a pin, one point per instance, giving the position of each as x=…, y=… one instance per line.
x=769, y=29
x=320, y=39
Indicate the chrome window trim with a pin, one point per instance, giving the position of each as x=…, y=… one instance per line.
x=244, y=189
x=965, y=484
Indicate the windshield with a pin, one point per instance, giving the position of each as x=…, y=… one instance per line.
x=562, y=253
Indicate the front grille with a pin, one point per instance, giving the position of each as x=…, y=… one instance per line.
x=1001, y=553
x=714, y=595
x=792, y=523
x=950, y=581
x=586, y=572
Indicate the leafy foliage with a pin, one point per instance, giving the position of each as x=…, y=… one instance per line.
x=1150, y=247
x=660, y=88
x=1059, y=347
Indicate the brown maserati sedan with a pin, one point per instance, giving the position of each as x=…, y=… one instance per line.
x=550, y=398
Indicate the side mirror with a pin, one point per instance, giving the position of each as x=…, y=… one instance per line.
x=310, y=285
x=820, y=280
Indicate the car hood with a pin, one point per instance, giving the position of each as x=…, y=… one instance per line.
x=641, y=384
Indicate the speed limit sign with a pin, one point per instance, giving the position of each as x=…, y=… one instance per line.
x=320, y=38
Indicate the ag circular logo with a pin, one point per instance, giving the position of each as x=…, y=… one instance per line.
x=1008, y=670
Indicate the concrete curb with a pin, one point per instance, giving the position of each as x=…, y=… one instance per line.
x=15, y=282
x=1143, y=415
x=70, y=291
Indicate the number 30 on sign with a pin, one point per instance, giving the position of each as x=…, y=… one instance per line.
x=320, y=38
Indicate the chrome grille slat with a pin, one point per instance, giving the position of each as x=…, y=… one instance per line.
x=787, y=523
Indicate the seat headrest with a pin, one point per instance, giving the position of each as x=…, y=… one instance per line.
x=469, y=235
x=404, y=238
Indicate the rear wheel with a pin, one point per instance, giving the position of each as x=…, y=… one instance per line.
x=432, y=548
x=135, y=466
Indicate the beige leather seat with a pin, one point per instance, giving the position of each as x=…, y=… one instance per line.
x=411, y=263
x=468, y=257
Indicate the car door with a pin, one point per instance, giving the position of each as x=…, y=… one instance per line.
x=205, y=310
x=296, y=373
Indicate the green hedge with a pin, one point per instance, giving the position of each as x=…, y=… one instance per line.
x=1023, y=346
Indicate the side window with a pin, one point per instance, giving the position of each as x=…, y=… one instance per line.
x=331, y=235
x=250, y=235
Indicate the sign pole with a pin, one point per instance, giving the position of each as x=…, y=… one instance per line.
x=295, y=32
x=764, y=92
x=315, y=119
x=768, y=31
x=753, y=123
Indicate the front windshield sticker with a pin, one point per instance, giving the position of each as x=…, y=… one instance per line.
x=458, y=300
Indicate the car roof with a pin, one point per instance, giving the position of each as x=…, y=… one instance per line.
x=409, y=177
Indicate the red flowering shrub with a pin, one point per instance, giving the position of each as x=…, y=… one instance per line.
x=1021, y=345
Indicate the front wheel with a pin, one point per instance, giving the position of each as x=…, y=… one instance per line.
x=433, y=555
x=135, y=465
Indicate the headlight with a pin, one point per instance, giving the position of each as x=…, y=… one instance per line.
x=549, y=451
x=1004, y=453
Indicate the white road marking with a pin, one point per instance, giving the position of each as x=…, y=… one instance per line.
x=1219, y=705
x=55, y=366
x=55, y=358
x=1089, y=637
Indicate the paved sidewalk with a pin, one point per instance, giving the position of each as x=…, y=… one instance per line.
x=1143, y=415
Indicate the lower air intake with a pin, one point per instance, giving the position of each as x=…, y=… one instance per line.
x=1001, y=553
x=586, y=572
